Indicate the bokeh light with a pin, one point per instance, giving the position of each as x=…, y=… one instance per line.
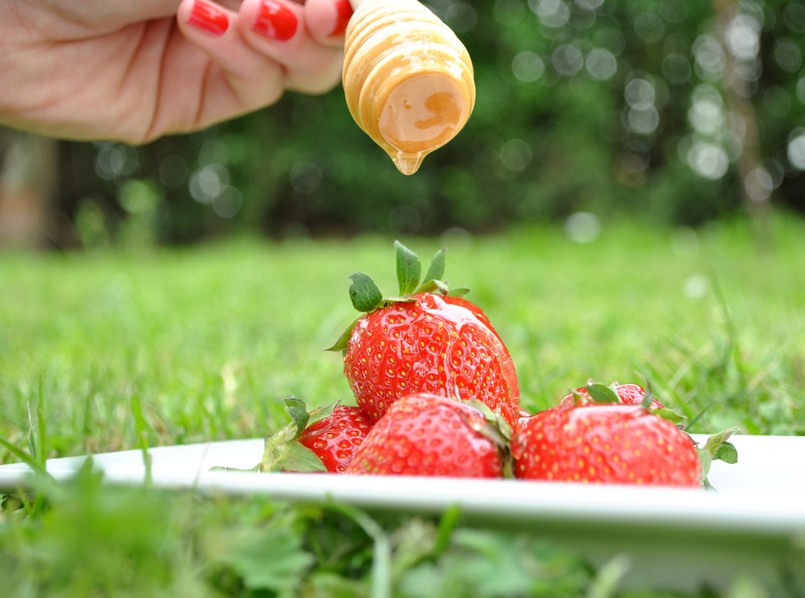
x=208, y=182
x=795, y=150
x=515, y=155
x=116, y=161
x=601, y=64
x=582, y=227
x=567, y=59
x=707, y=159
x=743, y=36
x=551, y=13
x=528, y=67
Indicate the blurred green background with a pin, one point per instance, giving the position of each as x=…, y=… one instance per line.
x=680, y=122
x=668, y=111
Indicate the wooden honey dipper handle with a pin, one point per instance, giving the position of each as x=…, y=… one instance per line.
x=408, y=80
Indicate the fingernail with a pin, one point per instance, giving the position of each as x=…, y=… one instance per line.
x=209, y=18
x=275, y=21
x=343, y=11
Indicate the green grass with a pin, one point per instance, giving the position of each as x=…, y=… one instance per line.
x=118, y=348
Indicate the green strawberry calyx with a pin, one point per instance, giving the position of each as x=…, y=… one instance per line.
x=608, y=393
x=717, y=448
x=282, y=450
x=599, y=393
x=367, y=297
x=495, y=428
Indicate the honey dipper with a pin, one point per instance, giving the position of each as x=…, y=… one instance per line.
x=407, y=78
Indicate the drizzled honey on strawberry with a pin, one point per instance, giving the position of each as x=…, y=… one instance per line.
x=425, y=340
x=438, y=344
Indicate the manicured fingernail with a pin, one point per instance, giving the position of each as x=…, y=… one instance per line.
x=209, y=18
x=343, y=11
x=275, y=21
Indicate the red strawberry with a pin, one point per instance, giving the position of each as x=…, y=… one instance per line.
x=628, y=394
x=324, y=439
x=522, y=418
x=617, y=444
x=429, y=435
x=335, y=438
x=424, y=341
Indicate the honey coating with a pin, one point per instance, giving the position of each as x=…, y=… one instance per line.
x=408, y=80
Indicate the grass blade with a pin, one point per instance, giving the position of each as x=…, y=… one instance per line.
x=141, y=428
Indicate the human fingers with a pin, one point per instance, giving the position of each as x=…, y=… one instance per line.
x=230, y=76
x=111, y=12
x=327, y=20
x=278, y=30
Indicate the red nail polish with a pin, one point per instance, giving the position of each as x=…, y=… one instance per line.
x=343, y=11
x=275, y=21
x=209, y=18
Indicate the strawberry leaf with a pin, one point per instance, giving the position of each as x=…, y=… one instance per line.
x=727, y=453
x=298, y=412
x=717, y=448
x=482, y=407
x=409, y=269
x=364, y=293
x=577, y=398
x=319, y=413
x=301, y=418
x=403, y=299
x=672, y=416
x=459, y=292
x=434, y=285
x=494, y=428
x=601, y=393
x=297, y=457
x=428, y=286
x=281, y=454
x=343, y=341
x=436, y=268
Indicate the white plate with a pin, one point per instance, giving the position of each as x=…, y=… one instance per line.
x=754, y=522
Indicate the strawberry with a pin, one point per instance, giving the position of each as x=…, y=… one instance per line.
x=613, y=443
x=629, y=394
x=429, y=435
x=324, y=439
x=335, y=438
x=424, y=340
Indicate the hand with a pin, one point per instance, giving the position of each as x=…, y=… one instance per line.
x=134, y=71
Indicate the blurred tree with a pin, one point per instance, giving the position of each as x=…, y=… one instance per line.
x=27, y=177
x=670, y=111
